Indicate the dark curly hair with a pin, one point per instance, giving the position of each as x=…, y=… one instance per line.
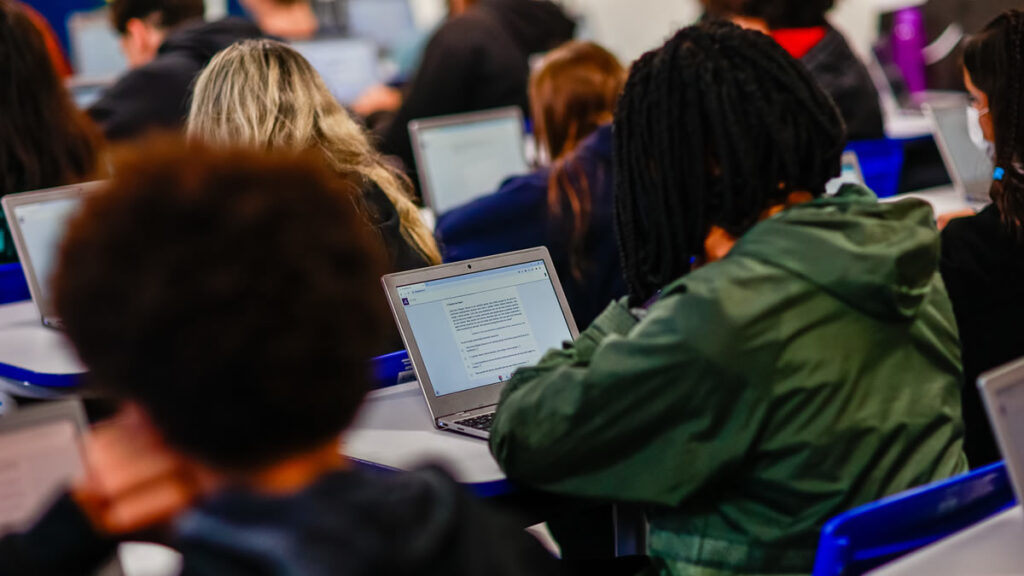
x=233, y=294
x=713, y=128
x=167, y=13
x=778, y=14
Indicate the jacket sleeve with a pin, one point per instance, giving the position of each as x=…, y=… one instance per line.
x=62, y=542
x=633, y=411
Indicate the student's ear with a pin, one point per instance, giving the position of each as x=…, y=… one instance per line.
x=140, y=42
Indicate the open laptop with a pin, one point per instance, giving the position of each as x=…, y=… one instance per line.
x=86, y=91
x=469, y=325
x=466, y=156
x=1003, y=392
x=37, y=221
x=969, y=167
x=391, y=24
x=348, y=66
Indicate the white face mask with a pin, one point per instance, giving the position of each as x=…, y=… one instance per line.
x=977, y=134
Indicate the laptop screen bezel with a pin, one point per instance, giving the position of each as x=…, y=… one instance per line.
x=448, y=404
x=991, y=384
x=11, y=203
x=418, y=127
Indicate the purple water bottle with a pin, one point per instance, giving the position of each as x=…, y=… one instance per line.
x=908, y=43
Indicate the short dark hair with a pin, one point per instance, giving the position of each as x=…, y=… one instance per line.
x=167, y=13
x=233, y=294
x=778, y=14
x=713, y=128
x=994, y=58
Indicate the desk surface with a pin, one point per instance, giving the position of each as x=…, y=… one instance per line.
x=393, y=430
x=30, y=352
x=995, y=546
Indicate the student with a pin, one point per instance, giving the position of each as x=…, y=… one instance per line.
x=568, y=205
x=284, y=19
x=239, y=350
x=263, y=93
x=801, y=28
x=782, y=357
x=478, y=59
x=45, y=140
x=167, y=44
x=983, y=255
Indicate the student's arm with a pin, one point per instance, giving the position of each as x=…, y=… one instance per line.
x=633, y=411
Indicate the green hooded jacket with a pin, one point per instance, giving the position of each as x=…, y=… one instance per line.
x=814, y=369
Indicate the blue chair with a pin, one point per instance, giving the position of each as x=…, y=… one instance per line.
x=13, y=287
x=881, y=161
x=388, y=370
x=867, y=537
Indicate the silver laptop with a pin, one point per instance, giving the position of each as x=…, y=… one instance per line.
x=469, y=325
x=348, y=66
x=464, y=157
x=968, y=166
x=850, y=173
x=87, y=91
x=1003, y=392
x=38, y=221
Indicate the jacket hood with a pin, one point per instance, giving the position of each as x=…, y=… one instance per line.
x=203, y=40
x=878, y=258
x=535, y=25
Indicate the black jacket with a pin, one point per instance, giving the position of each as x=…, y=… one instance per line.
x=383, y=216
x=983, y=267
x=158, y=95
x=834, y=65
x=476, y=61
x=351, y=523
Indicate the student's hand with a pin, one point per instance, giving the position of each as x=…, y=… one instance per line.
x=945, y=219
x=379, y=98
x=133, y=481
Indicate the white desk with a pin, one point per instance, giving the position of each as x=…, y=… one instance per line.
x=393, y=430
x=35, y=361
x=995, y=546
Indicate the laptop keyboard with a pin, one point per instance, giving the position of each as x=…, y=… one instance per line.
x=482, y=423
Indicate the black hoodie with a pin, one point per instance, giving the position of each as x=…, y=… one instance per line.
x=157, y=95
x=476, y=61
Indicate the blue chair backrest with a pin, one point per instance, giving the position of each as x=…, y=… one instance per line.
x=13, y=287
x=388, y=369
x=881, y=161
x=867, y=537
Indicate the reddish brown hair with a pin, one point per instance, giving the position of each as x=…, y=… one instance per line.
x=572, y=93
x=44, y=139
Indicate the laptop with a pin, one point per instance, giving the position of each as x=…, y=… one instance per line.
x=37, y=221
x=86, y=91
x=969, y=166
x=466, y=156
x=348, y=66
x=850, y=173
x=390, y=24
x=95, y=44
x=469, y=325
x=1003, y=392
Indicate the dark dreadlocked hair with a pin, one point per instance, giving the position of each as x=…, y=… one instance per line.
x=995, y=59
x=713, y=128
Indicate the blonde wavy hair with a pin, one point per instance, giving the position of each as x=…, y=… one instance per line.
x=265, y=94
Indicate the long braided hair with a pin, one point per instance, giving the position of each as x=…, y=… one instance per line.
x=713, y=128
x=995, y=60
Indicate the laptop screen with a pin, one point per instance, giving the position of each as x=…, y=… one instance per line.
x=389, y=23
x=42, y=226
x=463, y=162
x=971, y=163
x=476, y=329
x=348, y=67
